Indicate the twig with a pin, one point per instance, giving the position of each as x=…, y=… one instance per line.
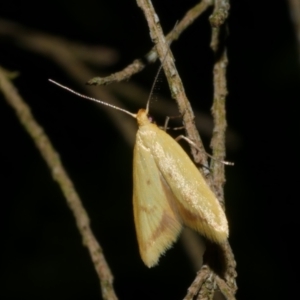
x=228, y=286
x=59, y=174
x=225, y=289
x=138, y=65
x=219, y=116
x=220, y=14
x=230, y=272
x=204, y=286
x=217, y=19
x=207, y=291
x=201, y=277
x=175, y=83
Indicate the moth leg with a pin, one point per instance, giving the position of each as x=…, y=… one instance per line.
x=228, y=163
x=168, y=118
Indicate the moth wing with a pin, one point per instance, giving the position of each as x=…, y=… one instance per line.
x=196, y=204
x=157, y=225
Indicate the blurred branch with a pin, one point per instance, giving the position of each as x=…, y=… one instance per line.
x=138, y=65
x=295, y=16
x=41, y=42
x=59, y=174
x=194, y=246
x=62, y=52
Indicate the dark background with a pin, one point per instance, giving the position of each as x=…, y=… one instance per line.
x=42, y=256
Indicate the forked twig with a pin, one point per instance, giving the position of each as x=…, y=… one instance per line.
x=177, y=91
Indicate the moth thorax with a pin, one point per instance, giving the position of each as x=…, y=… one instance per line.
x=142, y=117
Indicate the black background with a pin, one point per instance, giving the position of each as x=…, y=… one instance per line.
x=42, y=256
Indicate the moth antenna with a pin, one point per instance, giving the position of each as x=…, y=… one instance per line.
x=92, y=99
x=224, y=162
x=153, y=84
x=157, y=74
x=155, y=80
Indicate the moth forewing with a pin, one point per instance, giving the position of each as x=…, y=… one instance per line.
x=157, y=225
x=197, y=205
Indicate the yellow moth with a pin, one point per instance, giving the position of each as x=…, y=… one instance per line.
x=169, y=192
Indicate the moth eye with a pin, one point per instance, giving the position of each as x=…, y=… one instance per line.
x=150, y=118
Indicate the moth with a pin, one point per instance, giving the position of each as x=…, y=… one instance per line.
x=169, y=192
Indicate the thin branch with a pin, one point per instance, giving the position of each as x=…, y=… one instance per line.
x=58, y=49
x=225, y=289
x=230, y=272
x=207, y=291
x=138, y=65
x=201, y=277
x=174, y=80
x=220, y=14
x=217, y=20
x=228, y=286
x=59, y=174
x=204, y=286
x=219, y=116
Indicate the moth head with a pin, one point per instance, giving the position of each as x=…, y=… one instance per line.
x=142, y=117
